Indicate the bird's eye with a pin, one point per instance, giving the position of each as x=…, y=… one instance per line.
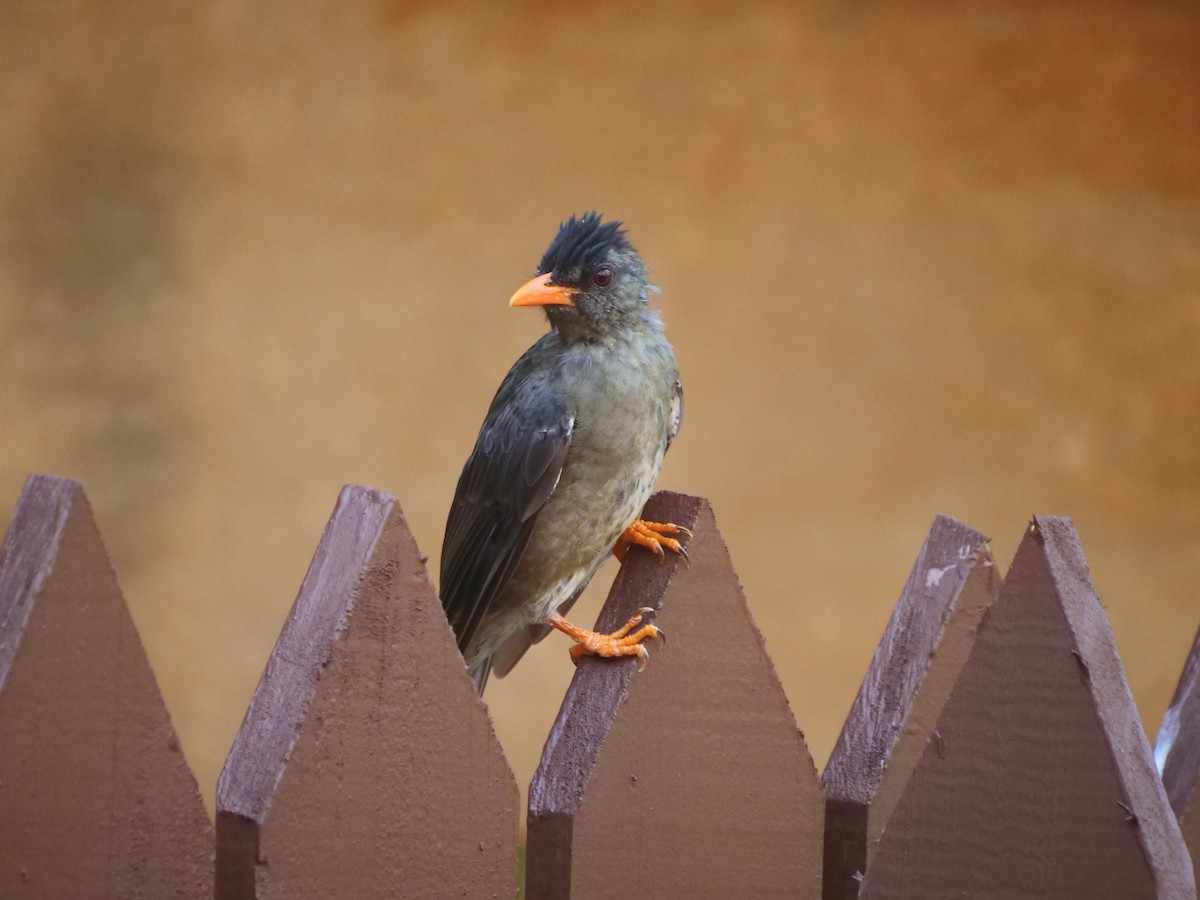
x=602, y=277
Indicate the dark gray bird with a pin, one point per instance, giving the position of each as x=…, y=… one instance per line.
x=566, y=458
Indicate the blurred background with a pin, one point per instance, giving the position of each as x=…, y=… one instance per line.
x=914, y=258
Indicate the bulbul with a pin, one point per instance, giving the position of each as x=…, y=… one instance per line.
x=567, y=457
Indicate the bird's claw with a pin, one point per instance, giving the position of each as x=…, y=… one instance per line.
x=654, y=536
x=625, y=641
x=657, y=634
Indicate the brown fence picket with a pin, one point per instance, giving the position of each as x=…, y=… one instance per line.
x=932, y=628
x=366, y=765
x=96, y=799
x=1177, y=752
x=688, y=780
x=1038, y=778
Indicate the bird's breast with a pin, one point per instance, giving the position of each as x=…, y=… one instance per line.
x=622, y=406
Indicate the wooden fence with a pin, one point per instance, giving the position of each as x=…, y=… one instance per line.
x=994, y=749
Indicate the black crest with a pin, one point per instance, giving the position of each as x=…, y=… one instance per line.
x=582, y=243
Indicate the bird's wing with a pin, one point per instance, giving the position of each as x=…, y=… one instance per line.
x=510, y=475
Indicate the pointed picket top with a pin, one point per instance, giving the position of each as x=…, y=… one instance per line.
x=366, y=765
x=1038, y=779
x=97, y=800
x=932, y=628
x=689, y=779
x=1177, y=750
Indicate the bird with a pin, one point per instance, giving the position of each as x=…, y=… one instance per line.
x=567, y=456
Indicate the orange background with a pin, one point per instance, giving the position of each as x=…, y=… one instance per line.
x=914, y=259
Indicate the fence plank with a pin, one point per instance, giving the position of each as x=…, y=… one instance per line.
x=366, y=765
x=98, y=801
x=952, y=583
x=1038, y=780
x=1177, y=752
x=689, y=780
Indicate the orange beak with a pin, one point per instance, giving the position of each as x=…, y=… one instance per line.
x=540, y=292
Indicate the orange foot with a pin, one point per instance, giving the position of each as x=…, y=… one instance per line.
x=625, y=641
x=650, y=534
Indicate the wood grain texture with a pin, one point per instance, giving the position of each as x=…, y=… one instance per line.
x=1040, y=781
x=1177, y=751
x=98, y=801
x=366, y=765
x=952, y=583
x=687, y=780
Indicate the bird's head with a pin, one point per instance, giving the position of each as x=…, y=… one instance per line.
x=591, y=281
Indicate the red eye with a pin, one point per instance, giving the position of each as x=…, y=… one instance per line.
x=602, y=277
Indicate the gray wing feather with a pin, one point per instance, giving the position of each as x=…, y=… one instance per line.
x=511, y=473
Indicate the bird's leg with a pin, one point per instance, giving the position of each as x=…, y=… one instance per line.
x=651, y=534
x=625, y=641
